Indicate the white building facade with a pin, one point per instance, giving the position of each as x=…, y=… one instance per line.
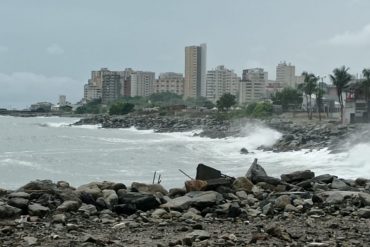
x=220, y=81
x=169, y=82
x=253, y=85
x=142, y=83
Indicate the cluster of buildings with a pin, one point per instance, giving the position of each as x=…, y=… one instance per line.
x=197, y=81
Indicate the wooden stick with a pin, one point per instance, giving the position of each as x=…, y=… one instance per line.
x=186, y=174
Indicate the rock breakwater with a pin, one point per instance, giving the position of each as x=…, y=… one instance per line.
x=297, y=209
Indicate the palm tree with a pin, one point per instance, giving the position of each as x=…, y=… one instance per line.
x=309, y=87
x=366, y=82
x=340, y=79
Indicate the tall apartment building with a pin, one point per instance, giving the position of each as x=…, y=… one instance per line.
x=126, y=81
x=220, y=81
x=111, y=87
x=195, y=71
x=169, y=82
x=142, y=83
x=285, y=75
x=93, y=89
x=253, y=85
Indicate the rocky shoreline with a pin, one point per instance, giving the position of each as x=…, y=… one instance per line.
x=297, y=209
x=296, y=135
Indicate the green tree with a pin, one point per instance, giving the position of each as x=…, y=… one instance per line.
x=340, y=79
x=285, y=98
x=263, y=109
x=121, y=108
x=226, y=101
x=366, y=83
x=92, y=107
x=309, y=87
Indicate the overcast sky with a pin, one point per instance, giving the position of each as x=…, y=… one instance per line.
x=49, y=47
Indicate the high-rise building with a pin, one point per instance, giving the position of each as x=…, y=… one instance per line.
x=111, y=87
x=285, y=75
x=93, y=89
x=62, y=100
x=195, y=71
x=126, y=81
x=142, y=83
x=220, y=81
x=169, y=82
x=253, y=85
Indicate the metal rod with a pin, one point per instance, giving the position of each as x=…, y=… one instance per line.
x=155, y=174
x=186, y=174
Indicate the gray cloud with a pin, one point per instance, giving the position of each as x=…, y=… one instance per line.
x=55, y=49
x=22, y=88
x=3, y=49
x=351, y=38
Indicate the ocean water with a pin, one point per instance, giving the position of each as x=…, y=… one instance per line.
x=48, y=148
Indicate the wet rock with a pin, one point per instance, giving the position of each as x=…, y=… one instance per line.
x=36, y=209
x=7, y=211
x=19, y=195
x=243, y=183
x=30, y=240
x=338, y=184
x=198, y=234
x=88, y=209
x=255, y=170
x=59, y=218
x=282, y=201
x=148, y=188
x=90, y=189
x=69, y=206
x=39, y=185
x=325, y=178
x=298, y=176
x=335, y=198
x=158, y=213
x=361, y=182
x=119, y=186
x=19, y=202
x=175, y=192
x=110, y=198
x=364, y=198
x=364, y=213
x=244, y=151
x=278, y=231
x=266, y=179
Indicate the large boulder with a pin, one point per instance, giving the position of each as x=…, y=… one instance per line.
x=88, y=209
x=110, y=198
x=7, y=211
x=195, y=185
x=255, y=170
x=148, y=188
x=37, y=210
x=18, y=202
x=91, y=188
x=338, y=184
x=138, y=200
x=197, y=199
x=69, y=206
x=243, y=183
x=45, y=186
x=298, y=176
x=282, y=201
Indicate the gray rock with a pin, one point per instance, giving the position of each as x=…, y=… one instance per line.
x=335, y=198
x=110, y=198
x=158, y=213
x=197, y=199
x=18, y=202
x=37, y=210
x=69, y=206
x=365, y=198
x=92, y=189
x=298, y=176
x=338, y=184
x=268, y=209
x=364, y=213
x=255, y=170
x=241, y=194
x=30, y=240
x=88, y=209
x=325, y=178
x=243, y=183
x=361, y=182
x=59, y=218
x=19, y=195
x=282, y=201
x=244, y=151
x=7, y=211
x=198, y=234
x=149, y=188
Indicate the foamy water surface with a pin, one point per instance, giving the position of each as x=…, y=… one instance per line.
x=48, y=148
